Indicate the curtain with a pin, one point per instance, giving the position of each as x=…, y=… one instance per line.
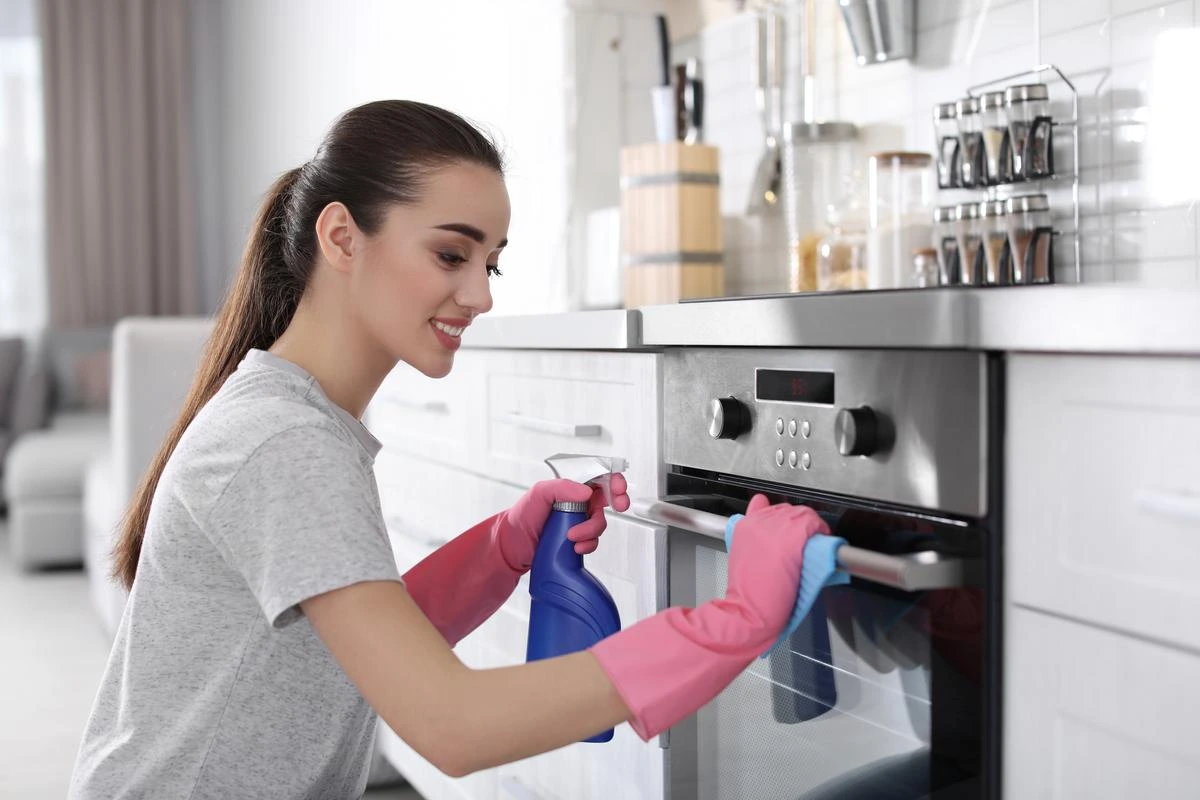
x=22, y=239
x=120, y=214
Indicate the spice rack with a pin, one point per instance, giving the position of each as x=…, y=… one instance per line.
x=994, y=191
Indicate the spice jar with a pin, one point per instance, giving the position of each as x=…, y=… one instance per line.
x=970, y=143
x=994, y=117
x=945, y=133
x=817, y=158
x=900, y=188
x=970, y=243
x=1029, y=129
x=925, y=268
x=993, y=227
x=1029, y=238
x=945, y=242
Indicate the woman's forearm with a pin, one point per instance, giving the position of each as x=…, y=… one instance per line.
x=510, y=713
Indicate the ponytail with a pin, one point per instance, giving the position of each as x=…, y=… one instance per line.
x=375, y=156
x=258, y=308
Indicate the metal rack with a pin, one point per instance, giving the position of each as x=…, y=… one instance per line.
x=1073, y=124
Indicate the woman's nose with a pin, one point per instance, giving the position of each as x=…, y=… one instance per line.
x=476, y=293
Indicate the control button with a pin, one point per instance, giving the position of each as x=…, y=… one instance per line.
x=806, y=429
x=779, y=426
x=792, y=428
x=856, y=431
x=728, y=418
x=806, y=461
x=792, y=459
x=779, y=457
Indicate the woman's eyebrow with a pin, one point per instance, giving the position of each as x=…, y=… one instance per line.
x=469, y=231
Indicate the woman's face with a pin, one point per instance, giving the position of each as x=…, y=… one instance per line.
x=425, y=274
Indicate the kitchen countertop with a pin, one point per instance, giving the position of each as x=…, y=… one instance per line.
x=1066, y=319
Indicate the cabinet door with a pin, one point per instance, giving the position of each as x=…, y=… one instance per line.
x=1089, y=713
x=542, y=403
x=1103, y=491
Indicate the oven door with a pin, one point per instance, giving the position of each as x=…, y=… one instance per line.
x=880, y=693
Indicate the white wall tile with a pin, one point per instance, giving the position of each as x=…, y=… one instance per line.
x=1179, y=273
x=1133, y=34
x=1063, y=15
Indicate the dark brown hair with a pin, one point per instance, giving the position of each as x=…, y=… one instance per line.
x=374, y=156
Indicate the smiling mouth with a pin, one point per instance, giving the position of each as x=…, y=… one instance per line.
x=449, y=330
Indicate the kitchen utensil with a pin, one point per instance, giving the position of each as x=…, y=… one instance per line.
x=900, y=188
x=880, y=30
x=1030, y=130
x=769, y=66
x=1029, y=238
x=662, y=96
x=693, y=102
x=993, y=225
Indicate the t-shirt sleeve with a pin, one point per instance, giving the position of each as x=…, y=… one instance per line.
x=299, y=518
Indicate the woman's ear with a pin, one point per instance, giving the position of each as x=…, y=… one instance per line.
x=338, y=236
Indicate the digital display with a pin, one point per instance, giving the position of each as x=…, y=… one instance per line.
x=789, y=386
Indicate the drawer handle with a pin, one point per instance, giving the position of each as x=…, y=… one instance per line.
x=549, y=426
x=514, y=788
x=428, y=406
x=1179, y=507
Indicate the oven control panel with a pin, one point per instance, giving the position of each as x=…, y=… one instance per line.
x=907, y=427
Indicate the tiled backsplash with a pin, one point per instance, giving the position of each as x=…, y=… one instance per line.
x=1133, y=230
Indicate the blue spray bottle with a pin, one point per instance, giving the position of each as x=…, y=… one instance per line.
x=569, y=610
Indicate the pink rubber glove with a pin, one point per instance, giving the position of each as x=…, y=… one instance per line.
x=667, y=666
x=464, y=581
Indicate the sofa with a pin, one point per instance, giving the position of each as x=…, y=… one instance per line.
x=61, y=406
x=12, y=422
x=154, y=360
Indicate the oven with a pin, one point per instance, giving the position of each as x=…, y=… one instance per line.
x=890, y=688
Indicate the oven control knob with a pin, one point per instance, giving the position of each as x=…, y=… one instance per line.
x=856, y=431
x=728, y=418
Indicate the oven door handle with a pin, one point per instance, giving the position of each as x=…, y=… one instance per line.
x=913, y=572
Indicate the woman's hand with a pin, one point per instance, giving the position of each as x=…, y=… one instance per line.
x=520, y=526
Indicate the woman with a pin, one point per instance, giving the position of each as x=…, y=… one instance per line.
x=268, y=627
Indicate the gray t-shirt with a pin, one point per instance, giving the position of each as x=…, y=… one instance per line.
x=217, y=686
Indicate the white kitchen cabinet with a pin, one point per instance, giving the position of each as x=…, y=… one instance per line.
x=1103, y=491
x=1102, y=549
x=1089, y=713
x=456, y=451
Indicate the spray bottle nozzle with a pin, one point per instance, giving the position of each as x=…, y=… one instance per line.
x=590, y=469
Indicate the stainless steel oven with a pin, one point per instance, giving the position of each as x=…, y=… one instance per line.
x=890, y=688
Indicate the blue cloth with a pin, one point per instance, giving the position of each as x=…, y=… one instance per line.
x=818, y=570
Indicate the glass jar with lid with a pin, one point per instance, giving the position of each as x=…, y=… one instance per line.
x=900, y=189
x=842, y=254
x=945, y=134
x=817, y=159
x=1030, y=238
x=993, y=228
x=994, y=118
x=970, y=144
x=970, y=243
x=945, y=241
x=1030, y=130
x=925, y=268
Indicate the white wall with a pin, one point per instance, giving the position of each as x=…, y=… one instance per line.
x=289, y=67
x=1134, y=229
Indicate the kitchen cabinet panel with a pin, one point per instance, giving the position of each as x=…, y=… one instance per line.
x=1092, y=713
x=1103, y=491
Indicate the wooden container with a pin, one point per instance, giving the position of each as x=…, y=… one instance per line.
x=670, y=223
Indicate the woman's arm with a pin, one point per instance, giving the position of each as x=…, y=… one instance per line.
x=459, y=719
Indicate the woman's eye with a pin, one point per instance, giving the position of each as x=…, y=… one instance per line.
x=494, y=271
x=452, y=259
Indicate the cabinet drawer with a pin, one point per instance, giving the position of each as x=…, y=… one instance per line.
x=539, y=404
x=1095, y=714
x=1103, y=491
x=433, y=419
x=432, y=503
